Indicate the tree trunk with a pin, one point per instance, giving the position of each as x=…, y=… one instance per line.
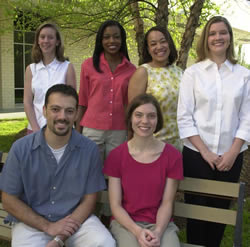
x=161, y=15
x=138, y=27
x=188, y=36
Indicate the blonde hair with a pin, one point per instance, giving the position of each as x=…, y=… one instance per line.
x=202, y=46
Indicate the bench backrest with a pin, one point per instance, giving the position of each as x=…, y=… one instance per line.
x=212, y=188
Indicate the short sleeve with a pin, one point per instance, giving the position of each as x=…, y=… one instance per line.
x=175, y=166
x=112, y=165
x=96, y=181
x=10, y=178
x=84, y=84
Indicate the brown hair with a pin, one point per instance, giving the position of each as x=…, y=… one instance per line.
x=202, y=46
x=143, y=99
x=37, y=54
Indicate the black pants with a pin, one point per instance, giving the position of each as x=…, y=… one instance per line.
x=200, y=232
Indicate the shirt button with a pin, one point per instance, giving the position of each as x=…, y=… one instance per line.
x=54, y=188
x=49, y=215
x=110, y=102
x=111, y=90
x=112, y=78
x=53, y=202
x=110, y=114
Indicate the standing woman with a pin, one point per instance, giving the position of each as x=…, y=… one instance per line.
x=143, y=180
x=160, y=77
x=213, y=121
x=49, y=68
x=103, y=89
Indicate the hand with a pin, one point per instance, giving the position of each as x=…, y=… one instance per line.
x=146, y=238
x=211, y=158
x=66, y=226
x=227, y=162
x=52, y=243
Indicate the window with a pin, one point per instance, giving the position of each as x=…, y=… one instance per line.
x=22, y=57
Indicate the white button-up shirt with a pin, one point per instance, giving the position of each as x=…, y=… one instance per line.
x=215, y=104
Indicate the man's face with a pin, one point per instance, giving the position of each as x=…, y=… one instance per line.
x=60, y=113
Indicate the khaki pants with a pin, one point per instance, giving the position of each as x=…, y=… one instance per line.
x=105, y=139
x=125, y=238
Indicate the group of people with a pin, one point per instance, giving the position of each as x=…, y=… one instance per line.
x=136, y=122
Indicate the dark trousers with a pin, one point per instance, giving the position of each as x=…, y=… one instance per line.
x=202, y=232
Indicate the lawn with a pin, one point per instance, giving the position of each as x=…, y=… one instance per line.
x=8, y=133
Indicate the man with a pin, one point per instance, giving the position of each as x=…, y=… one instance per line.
x=50, y=181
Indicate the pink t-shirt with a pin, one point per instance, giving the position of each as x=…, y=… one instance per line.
x=104, y=94
x=143, y=184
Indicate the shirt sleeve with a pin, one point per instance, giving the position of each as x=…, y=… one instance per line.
x=186, y=106
x=95, y=181
x=84, y=85
x=175, y=165
x=10, y=178
x=243, y=131
x=112, y=164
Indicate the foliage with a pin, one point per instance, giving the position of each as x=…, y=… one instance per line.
x=81, y=18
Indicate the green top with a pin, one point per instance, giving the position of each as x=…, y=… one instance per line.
x=163, y=83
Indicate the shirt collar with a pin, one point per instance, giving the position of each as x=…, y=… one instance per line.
x=104, y=61
x=52, y=65
x=39, y=139
x=207, y=63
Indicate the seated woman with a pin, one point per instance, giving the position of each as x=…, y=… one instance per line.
x=143, y=179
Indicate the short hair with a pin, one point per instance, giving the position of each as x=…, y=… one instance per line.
x=146, y=57
x=37, y=54
x=98, y=43
x=64, y=89
x=202, y=45
x=143, y=99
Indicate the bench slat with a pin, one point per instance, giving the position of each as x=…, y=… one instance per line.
x=210, y=187
x=5, y=233
x=224, y=216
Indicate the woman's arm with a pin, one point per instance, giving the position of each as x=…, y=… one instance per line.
x=211, y=158
x=229, y=157
x=28, y=100
x=80, y=113
x=137, y=83
x=115, y=198
x=71, y=76
x=165, y=210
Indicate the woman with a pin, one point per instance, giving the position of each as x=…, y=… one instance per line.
x=103, y=88
x=49, y=68
x=159, y=76
x=213, y=120
x=143, y=180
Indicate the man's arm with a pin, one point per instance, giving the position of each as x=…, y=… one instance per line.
x=13, y=205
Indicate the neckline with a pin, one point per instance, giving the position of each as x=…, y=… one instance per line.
x=146, y=164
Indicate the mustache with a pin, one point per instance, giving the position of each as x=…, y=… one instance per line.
x=61, y=121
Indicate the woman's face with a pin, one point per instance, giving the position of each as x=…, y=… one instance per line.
x=47, y=40
x=158, y=48
x=218, y=39
x=111, y=40
x=144, y=120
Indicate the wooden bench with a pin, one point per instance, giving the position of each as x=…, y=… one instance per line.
x=234, y=191
x=234, y=217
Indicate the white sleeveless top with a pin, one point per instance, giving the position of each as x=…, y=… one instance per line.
x=43, y=77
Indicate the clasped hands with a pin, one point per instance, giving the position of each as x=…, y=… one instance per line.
x=64, y=228
x=221, y=162
x=148, y=238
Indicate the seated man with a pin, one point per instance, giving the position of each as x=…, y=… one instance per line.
x=50, y=181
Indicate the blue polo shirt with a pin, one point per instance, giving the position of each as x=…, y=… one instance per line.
x=53, y=190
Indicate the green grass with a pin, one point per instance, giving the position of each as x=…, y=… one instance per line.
x=9, y=130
